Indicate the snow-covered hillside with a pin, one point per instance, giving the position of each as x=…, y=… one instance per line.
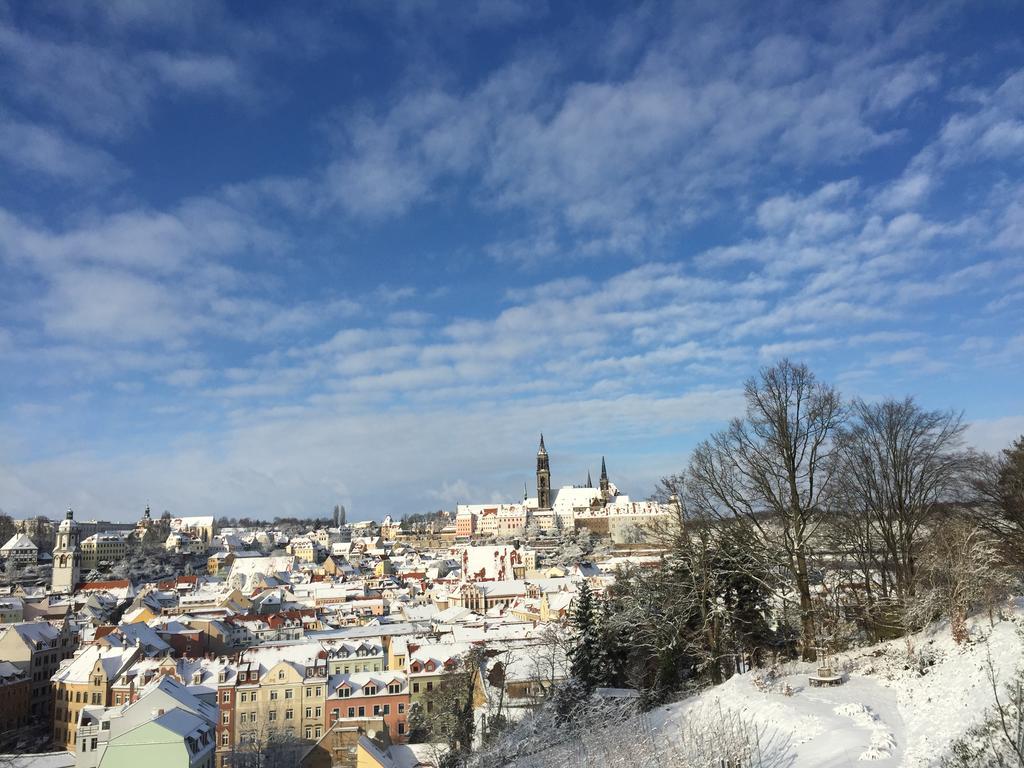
x=896, y=708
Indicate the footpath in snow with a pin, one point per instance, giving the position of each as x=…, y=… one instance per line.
x=893, y=710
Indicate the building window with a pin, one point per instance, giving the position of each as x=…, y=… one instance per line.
x=401, y=708
x=289, y=714
x=387, y=709
x=415, y=687
x=288, y=693
x=225, y=696
x=351, y=711
x=272, y=715
x=401, y=728
x=309, y=711
x=273, y=695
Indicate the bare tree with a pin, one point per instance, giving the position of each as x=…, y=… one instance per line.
x=897, y=464
x=960, y=570
x=268, y=747
x=548, y=658
x=998, y=485
x=773, y=470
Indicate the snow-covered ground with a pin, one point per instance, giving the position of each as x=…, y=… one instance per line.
x=893, y=710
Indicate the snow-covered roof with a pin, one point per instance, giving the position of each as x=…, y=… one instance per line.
x=113, y=660
x=18, y=541
x=34, y=632
x=571, y=498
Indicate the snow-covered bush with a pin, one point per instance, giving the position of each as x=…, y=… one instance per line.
x=612, y=735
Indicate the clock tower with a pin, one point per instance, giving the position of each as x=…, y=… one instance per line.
x=67, y=559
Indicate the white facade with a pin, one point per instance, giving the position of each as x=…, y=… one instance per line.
x=67, y=559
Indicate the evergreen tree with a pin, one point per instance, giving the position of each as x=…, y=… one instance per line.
x=583, y=658
x=612, y=649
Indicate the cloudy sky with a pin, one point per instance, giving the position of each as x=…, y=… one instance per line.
x=261, y=259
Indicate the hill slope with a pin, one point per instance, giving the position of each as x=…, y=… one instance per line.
x=896, y=709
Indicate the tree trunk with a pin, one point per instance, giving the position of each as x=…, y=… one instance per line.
x=806, y=607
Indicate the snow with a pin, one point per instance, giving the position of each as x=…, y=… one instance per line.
x=901, y=705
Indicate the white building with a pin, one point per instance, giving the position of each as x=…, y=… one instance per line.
x=20, y=551
x=67, y=559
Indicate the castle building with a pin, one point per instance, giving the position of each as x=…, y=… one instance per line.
x=67, y=559
x=602, y=510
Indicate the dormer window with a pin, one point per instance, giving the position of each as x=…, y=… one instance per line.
x=369, y=690
x=344, y=693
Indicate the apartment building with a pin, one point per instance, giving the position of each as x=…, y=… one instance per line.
x=37, y=648
x=87, y=680
x=15, y=692
x=103, y=548
x=382, y=696
x=271, y=691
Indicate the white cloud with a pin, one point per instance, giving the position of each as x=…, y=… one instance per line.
x=995, y=434
x=43, y=150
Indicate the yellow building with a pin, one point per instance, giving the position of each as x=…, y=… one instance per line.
x=303, y=549
x=102, y=548
x=86, y=681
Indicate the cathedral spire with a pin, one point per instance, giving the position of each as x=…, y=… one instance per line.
x=543, y=477
x=604, y=483
x=590, y=483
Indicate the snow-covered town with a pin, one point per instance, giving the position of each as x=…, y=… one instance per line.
x=354, y=643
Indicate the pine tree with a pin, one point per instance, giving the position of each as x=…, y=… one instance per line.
x=612, y=650
x=584, y=657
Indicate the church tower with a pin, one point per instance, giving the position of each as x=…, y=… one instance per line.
x=543, y=477
x=67, y=559
x=604, y=484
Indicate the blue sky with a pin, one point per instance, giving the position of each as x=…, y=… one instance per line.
x=258, y=259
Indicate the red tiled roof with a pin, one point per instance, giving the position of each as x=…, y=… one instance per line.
x=99, y=586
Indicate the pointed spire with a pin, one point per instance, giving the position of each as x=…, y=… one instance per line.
x=590, y=483
x=542, y=449
x=604, y=470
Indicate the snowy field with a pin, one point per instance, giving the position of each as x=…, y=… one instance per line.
x=893, y=710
